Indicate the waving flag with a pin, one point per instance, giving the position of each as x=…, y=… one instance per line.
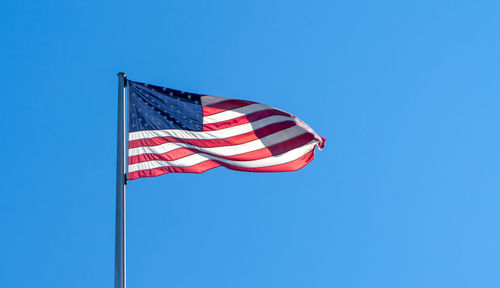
x=171, y=131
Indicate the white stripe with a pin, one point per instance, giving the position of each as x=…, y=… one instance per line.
x=235, y=113
x=257, y=144
x=198, y=158
x=209, y=100
x=217, y=134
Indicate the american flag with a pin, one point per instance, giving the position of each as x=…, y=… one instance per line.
x=171, y=131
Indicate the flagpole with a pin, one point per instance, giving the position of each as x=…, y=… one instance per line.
x=120, y=236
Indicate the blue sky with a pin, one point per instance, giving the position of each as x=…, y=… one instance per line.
x=405, y=194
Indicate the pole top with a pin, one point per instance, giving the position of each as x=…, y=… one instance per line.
x=122, y=74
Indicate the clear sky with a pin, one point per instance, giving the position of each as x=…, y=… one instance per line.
x=406, y=192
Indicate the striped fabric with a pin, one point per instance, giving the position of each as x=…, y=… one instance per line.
x=177, y=132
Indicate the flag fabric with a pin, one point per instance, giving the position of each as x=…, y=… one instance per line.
x=171, y=131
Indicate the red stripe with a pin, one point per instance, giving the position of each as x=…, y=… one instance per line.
x=210, y=164
x=272, y=150
x=285, y=167
x=198, y=168
x=224, y=105
x=251, y=117
x=168, y=156
x=235, y=140
x=321, y=143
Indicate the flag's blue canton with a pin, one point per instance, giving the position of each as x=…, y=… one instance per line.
x=156, y=108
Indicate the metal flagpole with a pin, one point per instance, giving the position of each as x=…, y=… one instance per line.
x=120, y=240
